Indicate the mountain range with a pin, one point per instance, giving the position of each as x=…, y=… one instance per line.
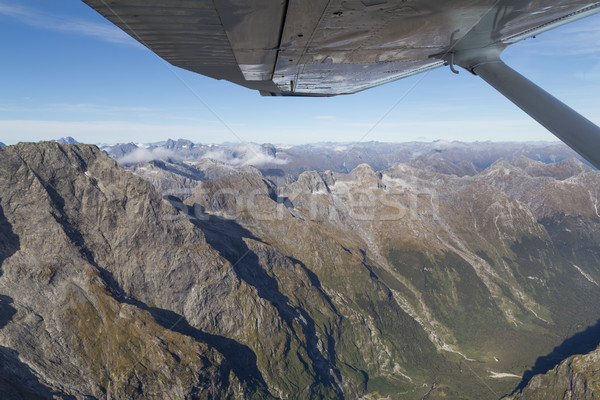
x=197, y=277
x=287, y=161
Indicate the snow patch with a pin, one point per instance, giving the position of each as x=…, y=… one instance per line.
x=586, y=275
x=537, y=316
x=594, y=203
x=447, y=348
x=500, y=375
x=398, y=371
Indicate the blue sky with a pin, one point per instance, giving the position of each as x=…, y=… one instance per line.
x=66, y=71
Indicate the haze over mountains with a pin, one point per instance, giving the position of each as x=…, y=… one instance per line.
x=430, y=276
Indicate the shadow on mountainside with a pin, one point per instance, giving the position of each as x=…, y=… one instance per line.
x=9, y=242
x=17, y=380
x=238, y=358
x=227, y=237
x=580, y=343
x=6, y=310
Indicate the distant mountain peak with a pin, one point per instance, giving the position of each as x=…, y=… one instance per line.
x=66, y=140
x=179, y=144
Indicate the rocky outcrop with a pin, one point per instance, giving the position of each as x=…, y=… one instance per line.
x=574, y=378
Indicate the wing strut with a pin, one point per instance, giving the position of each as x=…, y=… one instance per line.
x=576, y=131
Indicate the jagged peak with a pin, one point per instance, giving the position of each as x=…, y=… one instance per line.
x=328, y=177
x=501, y=165
x=524, y=162
x=363, y=169
x=310, y=181
x=501, y=162
x=178, y=144
x=55, y=150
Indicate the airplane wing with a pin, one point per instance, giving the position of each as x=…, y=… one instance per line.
x=333, y=47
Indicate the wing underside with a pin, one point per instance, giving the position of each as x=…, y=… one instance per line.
x=326, y=47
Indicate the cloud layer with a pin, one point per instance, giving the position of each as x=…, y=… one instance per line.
x=243, y=154
x=143, y=155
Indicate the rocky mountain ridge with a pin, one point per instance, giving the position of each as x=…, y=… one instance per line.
x=283, y=163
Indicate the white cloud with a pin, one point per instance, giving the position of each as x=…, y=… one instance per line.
x=244, y=154
x=143, y=154
x=35, y=18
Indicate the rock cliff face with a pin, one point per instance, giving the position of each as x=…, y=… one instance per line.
x=574, y=378
x=76, y=252
x=403, y=283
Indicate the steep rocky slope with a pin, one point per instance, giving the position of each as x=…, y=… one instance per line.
x=77, y=236
x=107, y=294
